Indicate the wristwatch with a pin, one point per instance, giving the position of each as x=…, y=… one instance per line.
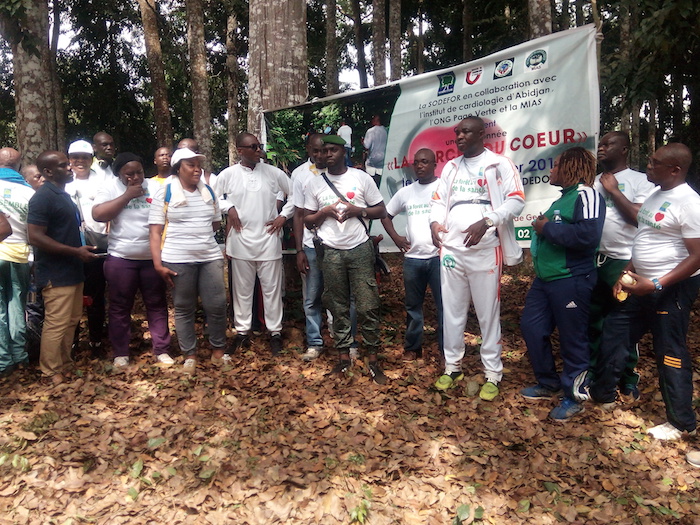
x=488, y=221
x=364, y=213
x=657, y=285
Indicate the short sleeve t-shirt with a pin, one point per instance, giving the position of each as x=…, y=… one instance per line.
x=665, y=219
x=415, y=201
x=14, y=202
x=618, y=234
x=189, y=237
x=359, y=189
x=53, y=208
x=128, y=231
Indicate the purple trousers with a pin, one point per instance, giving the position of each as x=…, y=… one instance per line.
x=125, y=277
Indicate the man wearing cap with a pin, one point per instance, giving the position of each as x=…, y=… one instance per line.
x=248, y=194
x=54, y=230
x=83, y=190
x=103, y=146
x=14, y=266
x=339, y=206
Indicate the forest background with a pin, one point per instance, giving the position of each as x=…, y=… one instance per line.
x=153, y=72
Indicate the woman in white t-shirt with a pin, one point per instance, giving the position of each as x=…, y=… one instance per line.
x=124, y=201
x=184, y=215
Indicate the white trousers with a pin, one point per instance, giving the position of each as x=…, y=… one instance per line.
x=243, y=277
x=472, y=277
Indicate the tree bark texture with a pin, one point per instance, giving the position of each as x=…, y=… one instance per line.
x=35, y=105
x=201, y=113
x=539, y=17
x=467, y=28
x=278, y=68
x=634, y=136
x=57, y=99
x=332, y=86
x=379, y=41
x=359, y=43
x=420, y=43
x=395, y=39
x=232, y=70
x=154, y=56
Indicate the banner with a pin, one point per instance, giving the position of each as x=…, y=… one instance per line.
x=537, y=99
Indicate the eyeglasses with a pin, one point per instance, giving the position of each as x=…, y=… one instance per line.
x=654, y=163
x=253, y=147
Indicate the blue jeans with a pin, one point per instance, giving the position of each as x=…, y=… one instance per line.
x=14, y=282
x=418, y=274
x=313, y=307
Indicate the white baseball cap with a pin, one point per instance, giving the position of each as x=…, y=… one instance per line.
x=80, y=146
x=184, y=153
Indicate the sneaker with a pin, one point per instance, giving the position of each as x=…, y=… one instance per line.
x=311, y=353
x=190, y=366
x=165, y=359
x=239, y=342
x=581, y=387
x=489, y=391
x=447, y=381
x=667, y=432
x=377, y=373
x=342, y=367
x=276, y=344
x=221, y=361
x=566, y=409
x=121, y=361
x=631, y=393
x=693, y=458
x=537, y=392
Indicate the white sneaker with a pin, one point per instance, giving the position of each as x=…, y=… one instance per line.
x=312, y=353
x=665, y=432
x=165, y=359
x=121, y=361
x=190, y=366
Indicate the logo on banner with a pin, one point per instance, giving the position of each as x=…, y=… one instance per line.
x=536, y=60
x=504, y=68
x=447, y=83
x=474, y=75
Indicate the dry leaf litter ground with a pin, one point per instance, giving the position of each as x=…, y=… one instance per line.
x=278, y=441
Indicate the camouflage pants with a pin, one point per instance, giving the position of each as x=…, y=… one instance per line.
x=343, y=271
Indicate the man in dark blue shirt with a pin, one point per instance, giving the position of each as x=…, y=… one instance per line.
x=54, y=230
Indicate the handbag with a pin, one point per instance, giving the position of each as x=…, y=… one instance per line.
x=380, y=265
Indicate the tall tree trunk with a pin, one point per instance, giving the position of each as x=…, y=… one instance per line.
x=232, y=86
x=395, y=39
x=57, y=96
x=379, y=41
x=420, y=47
x=634, y=136
x=539, y=17
x=565, y=20
x=201, y=113
x=278, y=67
x=677, y=104
x=154, y=56
x=651, y=136
x=332, y=86
x=625, y=52
x=34, y=98
x=580, y=17
x=467, y=28
x=359, y=43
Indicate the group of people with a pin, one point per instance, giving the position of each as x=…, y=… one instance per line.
x=615, y=255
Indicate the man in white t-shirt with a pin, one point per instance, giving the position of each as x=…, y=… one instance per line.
x=665, y=279
x=479, y=194
x=248, y=195
x=345, y=133
x=340, y=207
x=624, y=191
x=421, y=264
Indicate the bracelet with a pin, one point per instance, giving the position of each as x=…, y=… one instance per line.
x=657, y=284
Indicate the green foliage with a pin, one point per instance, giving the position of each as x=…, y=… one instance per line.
x=285, y=138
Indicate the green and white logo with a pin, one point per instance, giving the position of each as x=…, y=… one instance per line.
x=448, y=261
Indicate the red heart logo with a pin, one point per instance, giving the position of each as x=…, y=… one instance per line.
x=149, y=200
x=350, y=194
x=659, y=217
x=481, y=182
